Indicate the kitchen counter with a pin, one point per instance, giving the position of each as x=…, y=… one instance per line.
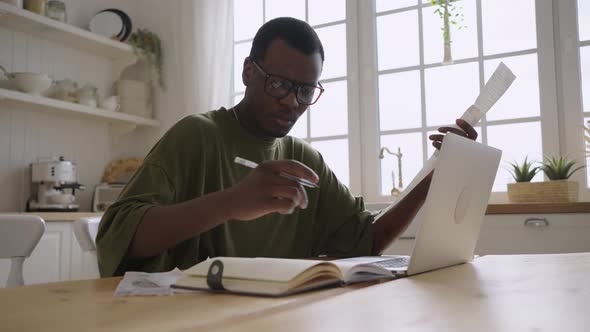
x=576, y=207
x=59, y=216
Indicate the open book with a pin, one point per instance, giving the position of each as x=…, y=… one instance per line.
x=274, y=276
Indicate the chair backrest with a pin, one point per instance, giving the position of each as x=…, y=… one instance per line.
x=19, y=235
x=85, y=230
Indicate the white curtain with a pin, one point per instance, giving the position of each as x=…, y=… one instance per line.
x=202, y=32
x=197, y=42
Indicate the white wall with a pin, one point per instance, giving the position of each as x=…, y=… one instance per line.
x=24, y=136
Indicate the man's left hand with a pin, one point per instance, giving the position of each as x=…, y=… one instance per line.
x=466, y=130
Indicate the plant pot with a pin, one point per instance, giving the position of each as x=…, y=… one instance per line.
x=556, y=191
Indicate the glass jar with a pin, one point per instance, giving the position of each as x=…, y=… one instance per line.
x=56, y=10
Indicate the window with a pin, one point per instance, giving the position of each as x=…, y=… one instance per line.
x=417, y=93
x=385, y=57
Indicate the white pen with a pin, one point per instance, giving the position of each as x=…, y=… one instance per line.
x=251, y=164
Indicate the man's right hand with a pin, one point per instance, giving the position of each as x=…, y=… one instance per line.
x=265, y=191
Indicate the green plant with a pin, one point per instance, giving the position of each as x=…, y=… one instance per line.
x=524, y=172
x=451, y=15
x=147, y=45
x=558, y=168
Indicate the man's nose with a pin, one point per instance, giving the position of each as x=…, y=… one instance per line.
x=291, y=99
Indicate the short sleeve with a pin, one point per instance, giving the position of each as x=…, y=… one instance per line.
x=150, y=186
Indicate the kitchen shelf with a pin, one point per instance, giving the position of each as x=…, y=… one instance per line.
x=27, y=102
x=22, y=20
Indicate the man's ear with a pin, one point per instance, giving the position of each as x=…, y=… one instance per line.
x=247, y=71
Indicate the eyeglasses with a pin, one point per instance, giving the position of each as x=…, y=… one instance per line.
x=279, y=87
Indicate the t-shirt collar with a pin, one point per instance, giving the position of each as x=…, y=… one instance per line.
x=244, y=136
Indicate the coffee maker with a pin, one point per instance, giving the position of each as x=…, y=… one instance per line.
x=53, y=186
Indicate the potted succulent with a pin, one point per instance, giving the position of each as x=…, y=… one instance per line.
x=559, y=168
x=557, y=190
x=523, y=173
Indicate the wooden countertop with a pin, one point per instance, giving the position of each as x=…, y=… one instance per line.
x=59, y=216
x=577, y=207
x=535, y=208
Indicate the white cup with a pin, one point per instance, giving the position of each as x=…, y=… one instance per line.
x=111, y=103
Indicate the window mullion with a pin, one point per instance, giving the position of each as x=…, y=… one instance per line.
x=547, y=78
x=422, y=85
x=368, y=99
x=569, y=83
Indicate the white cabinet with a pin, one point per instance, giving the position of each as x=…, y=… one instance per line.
x=521, y=234
x=57, y=257
x=535, y=234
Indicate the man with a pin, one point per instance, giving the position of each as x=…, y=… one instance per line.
x=190, y=201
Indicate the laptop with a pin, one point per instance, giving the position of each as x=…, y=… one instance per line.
x=453, y=212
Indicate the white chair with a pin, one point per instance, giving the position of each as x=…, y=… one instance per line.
x=85, y=230
x=19, y=235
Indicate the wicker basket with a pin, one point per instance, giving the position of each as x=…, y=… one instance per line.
x=556, y=191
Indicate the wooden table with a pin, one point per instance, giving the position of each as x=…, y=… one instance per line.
x=89, y=305
x=494, y=293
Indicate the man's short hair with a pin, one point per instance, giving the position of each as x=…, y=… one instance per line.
x=296, y=33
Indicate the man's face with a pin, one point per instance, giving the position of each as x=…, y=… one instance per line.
x=269, y=116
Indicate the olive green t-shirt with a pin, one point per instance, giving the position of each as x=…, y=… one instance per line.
x=196, y=157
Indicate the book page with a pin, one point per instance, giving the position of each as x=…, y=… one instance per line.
x=259, y=268
x=496, y=86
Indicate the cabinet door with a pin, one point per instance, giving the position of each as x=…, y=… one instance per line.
x=534, y=234
x=50, y=260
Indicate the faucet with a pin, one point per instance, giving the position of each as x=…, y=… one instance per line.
x=399, y=155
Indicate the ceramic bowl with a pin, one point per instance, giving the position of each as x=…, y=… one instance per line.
x=32, y=83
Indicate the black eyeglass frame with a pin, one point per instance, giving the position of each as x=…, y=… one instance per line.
x=294, y=86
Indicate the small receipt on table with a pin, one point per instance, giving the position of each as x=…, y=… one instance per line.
x=148, y=284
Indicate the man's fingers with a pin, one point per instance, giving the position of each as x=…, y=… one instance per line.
x=436, y=137
x=279, y=180
x=282, y=206
x=471, y=132
x=291, y=167
x=465, y=130
x=296, y=194
x=453, y=130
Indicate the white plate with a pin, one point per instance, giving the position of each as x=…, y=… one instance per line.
x=107, y=24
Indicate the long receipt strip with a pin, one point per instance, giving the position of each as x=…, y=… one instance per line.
x=492, y=91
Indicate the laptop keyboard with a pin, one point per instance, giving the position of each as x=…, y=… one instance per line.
x=394, y=262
